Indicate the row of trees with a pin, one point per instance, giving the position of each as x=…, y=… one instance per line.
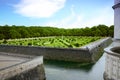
x=12, y=32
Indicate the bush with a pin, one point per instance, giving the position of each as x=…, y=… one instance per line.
x=70, y=46
x=92, y=40
x=77, y=44
x=20, y=43
x=29, y=44
x=5, y=41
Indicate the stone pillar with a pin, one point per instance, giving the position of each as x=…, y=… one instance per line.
x=116, y=8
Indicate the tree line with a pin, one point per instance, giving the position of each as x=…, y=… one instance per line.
x=12, y=32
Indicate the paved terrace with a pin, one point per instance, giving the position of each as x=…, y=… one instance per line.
x=7, y=61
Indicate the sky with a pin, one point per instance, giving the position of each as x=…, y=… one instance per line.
x=57, y=13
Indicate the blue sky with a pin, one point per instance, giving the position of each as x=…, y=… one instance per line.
x=57, y=13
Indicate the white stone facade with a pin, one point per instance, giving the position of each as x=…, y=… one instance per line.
x=117, y=19
x=112, y=67
x=117, y=23
x=117, y=1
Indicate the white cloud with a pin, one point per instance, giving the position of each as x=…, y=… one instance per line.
x=102, y=16
x=39, y=8
x=67, y=22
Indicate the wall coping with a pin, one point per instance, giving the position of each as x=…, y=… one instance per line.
x=80, y=48
x=92, y=45
x=88, y=47
x=116, y=6
x=108, y=50
x=17, y=55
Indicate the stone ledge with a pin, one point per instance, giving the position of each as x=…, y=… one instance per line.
x=20, y=68
x=116, y=6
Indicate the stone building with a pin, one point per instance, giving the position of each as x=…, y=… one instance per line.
x=112, y=65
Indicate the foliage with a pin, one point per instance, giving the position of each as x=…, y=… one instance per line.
x=13, y=32
x=5, y=41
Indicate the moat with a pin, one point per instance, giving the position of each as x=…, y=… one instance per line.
x=60, y=71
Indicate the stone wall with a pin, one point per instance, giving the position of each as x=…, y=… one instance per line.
x=36, y=73
x=112, y=68
x=86, y=53
x=32, y=69
x=97, y=48
x=112, y=61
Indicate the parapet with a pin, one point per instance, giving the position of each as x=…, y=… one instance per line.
x=87, y=53
x=112, y=61
x=21, y=67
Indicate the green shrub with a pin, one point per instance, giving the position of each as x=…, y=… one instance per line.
x=29, y=44
x=77, y=44
x=5, y=41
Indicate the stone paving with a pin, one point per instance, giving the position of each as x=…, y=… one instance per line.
x=7, y=61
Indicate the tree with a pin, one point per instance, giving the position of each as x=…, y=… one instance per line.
x=14, y=34
x=103, y=29
x=24, y=33
x=2, y=36
x=111, y=30
x=14, y=31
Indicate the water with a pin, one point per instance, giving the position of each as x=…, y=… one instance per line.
x=57, y=71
